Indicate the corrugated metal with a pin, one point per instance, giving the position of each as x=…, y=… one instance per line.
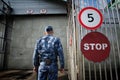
x=20, y=7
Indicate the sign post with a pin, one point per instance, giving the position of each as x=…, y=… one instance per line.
x=90, y=18
x=95, y=47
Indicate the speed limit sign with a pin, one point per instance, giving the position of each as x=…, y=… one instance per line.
x=90, y=18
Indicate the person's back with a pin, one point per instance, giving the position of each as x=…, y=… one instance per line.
x=47, y=49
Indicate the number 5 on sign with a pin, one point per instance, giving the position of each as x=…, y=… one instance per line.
x=90, y=18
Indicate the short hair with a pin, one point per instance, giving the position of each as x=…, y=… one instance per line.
x=48, y=29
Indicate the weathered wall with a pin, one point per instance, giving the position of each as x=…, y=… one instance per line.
x=26, y=30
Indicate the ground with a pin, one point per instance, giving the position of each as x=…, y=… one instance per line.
x=25, y=75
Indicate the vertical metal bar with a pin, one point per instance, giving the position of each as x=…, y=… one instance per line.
x=68, y=35
x=110, y=69
x=105, y=71
x=74, y=41
x=113, y=44
x=83, y=69
x=100, y=71
x=118, y=47
x=95, y=72
x=79, y=54
x=118, y=14
x=106, y=29
x=97, y=5
x=102, y=6
x=110, y=33
x=75, y=58
x=89, y=71
x=89, y=64
x=69, y=46
x=83, y=58
x=116, y=38
x=87, y=1
x=81, y=6
x=93, y=3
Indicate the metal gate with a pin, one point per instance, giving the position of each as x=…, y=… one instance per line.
x=79, y=67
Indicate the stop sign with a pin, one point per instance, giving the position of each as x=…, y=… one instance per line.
x=95, y=46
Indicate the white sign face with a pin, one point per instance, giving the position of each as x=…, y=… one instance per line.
x=90, y=18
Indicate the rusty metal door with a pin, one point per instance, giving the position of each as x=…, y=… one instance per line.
x=81, y=68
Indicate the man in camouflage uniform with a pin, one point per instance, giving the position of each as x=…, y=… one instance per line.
x=45, y=56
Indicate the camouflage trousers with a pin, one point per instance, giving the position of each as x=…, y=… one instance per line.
x=48, y=72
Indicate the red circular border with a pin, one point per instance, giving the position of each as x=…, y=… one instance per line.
x=80, y=21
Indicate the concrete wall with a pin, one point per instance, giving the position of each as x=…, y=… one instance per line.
x=26, y=30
